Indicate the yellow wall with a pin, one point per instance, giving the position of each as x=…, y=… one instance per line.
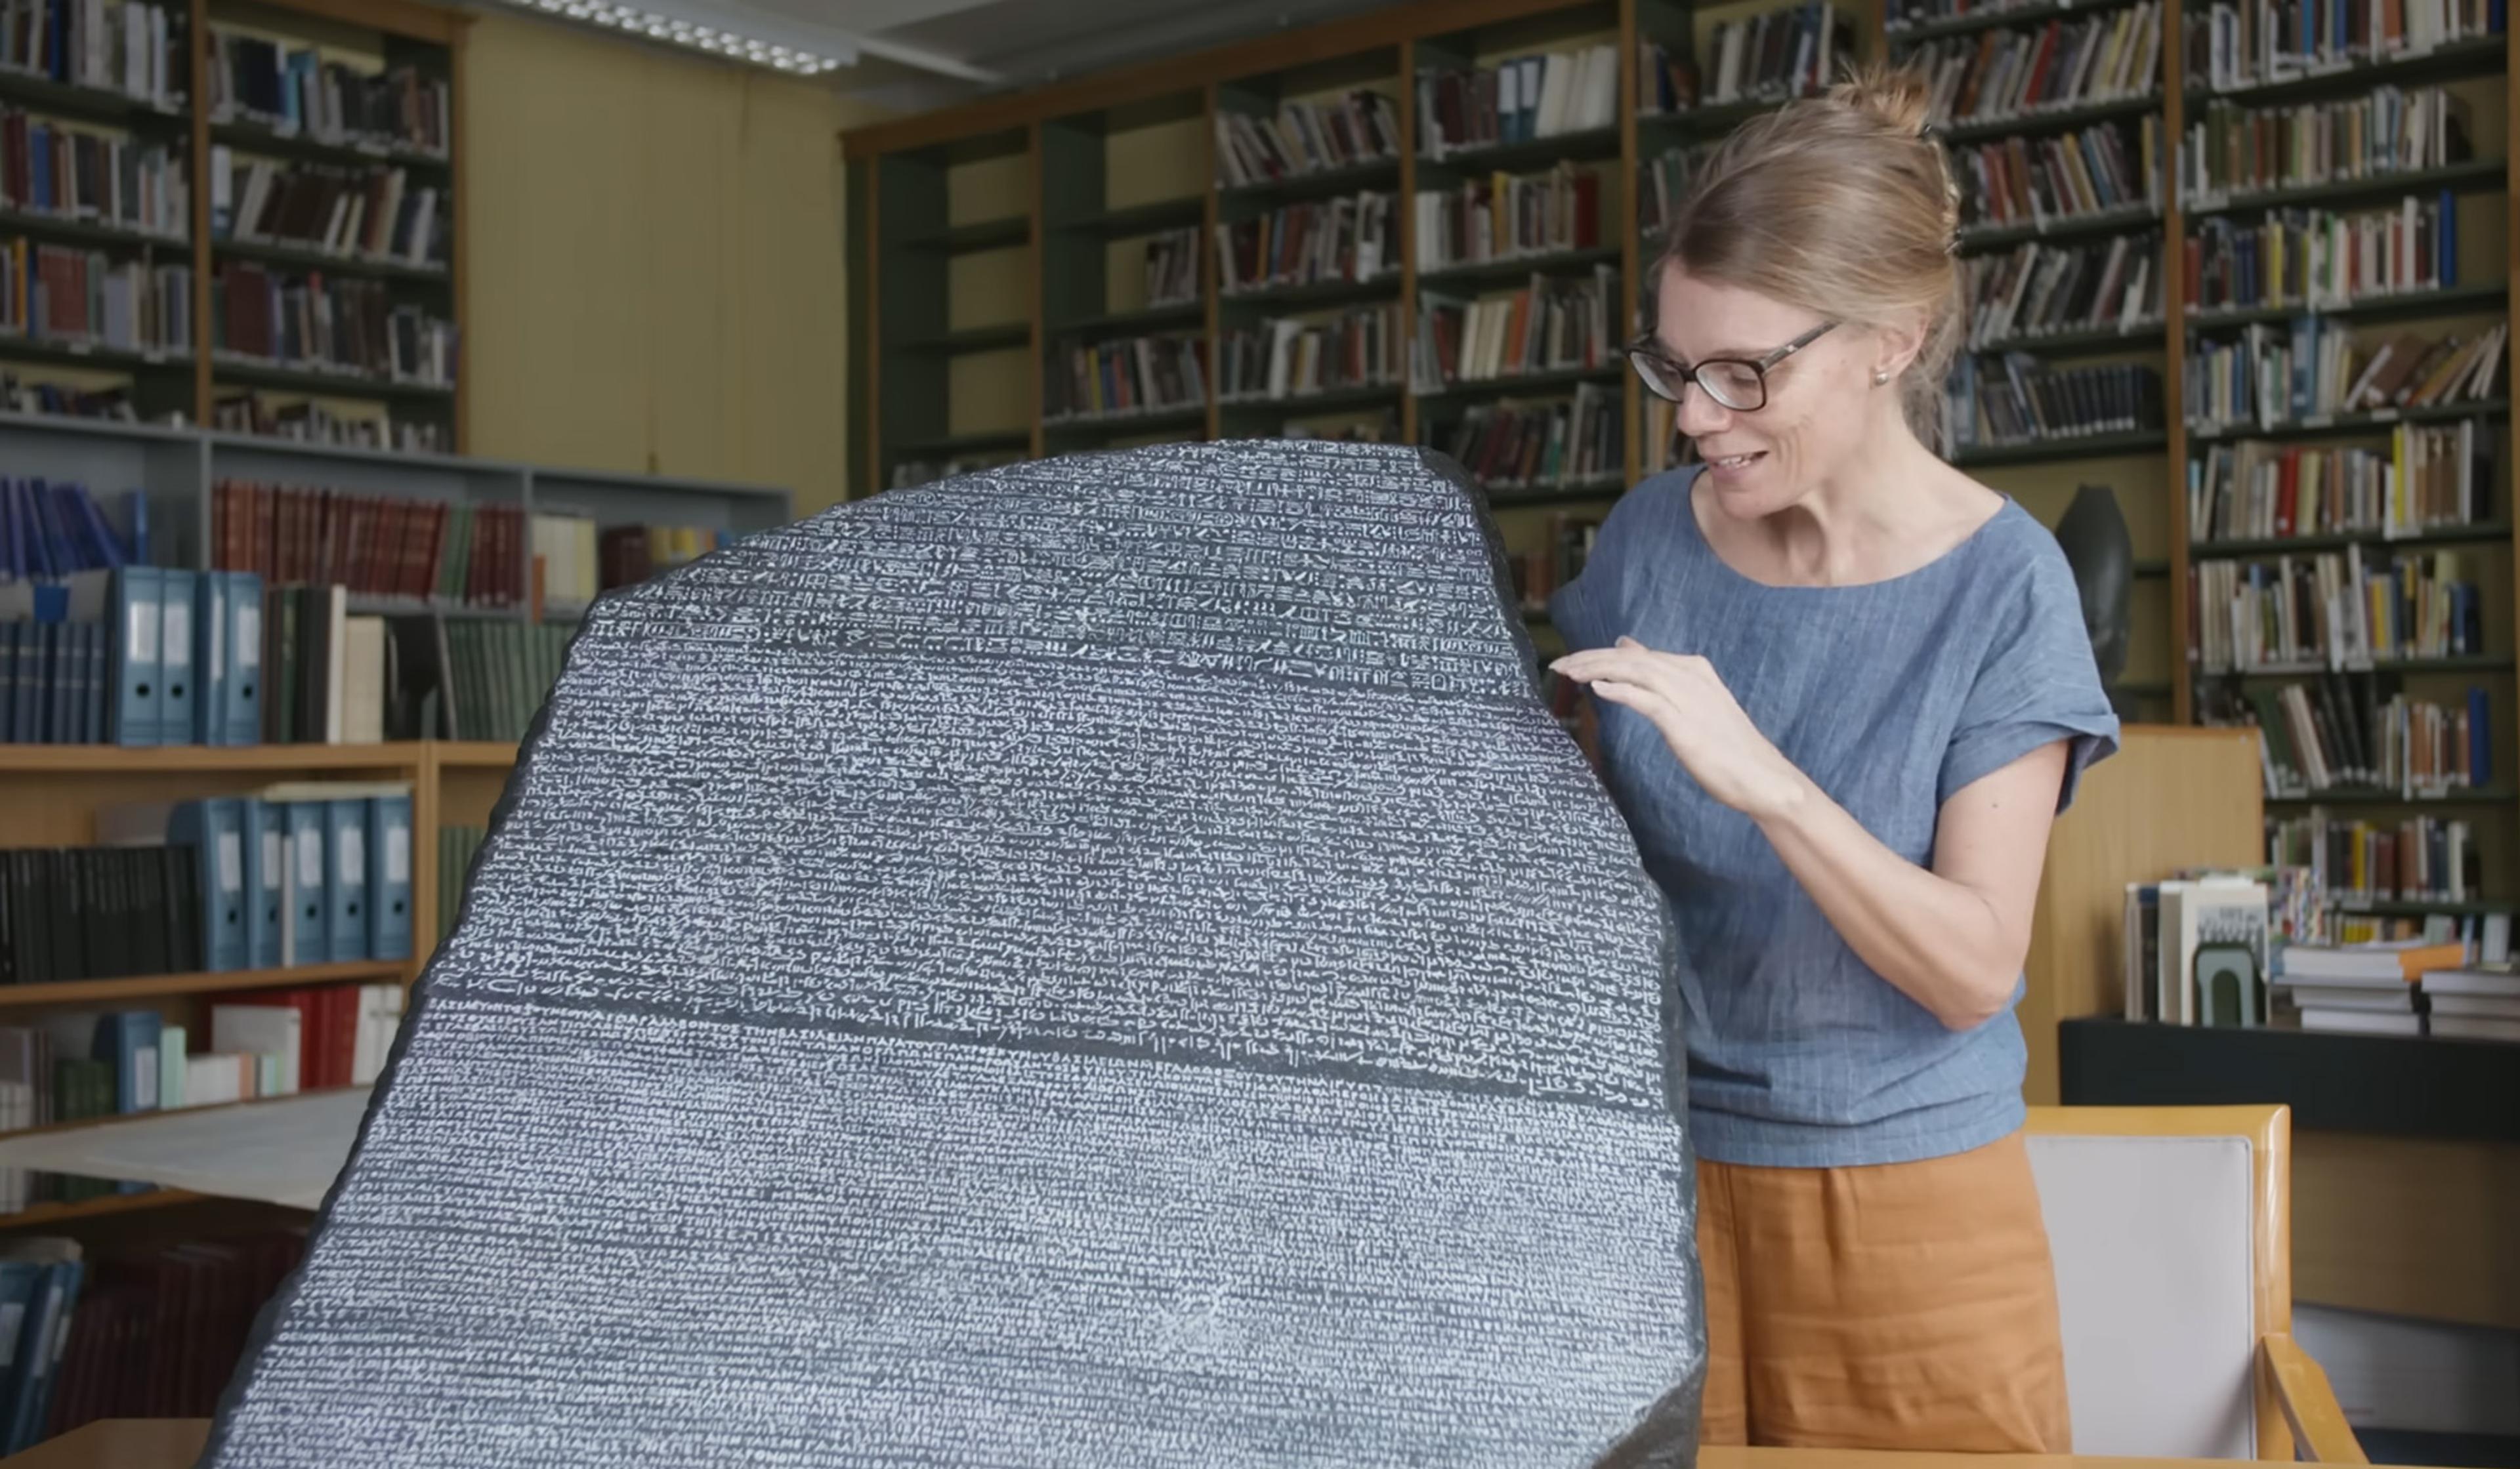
x=656, y=263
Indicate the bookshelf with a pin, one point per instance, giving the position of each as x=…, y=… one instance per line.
x=283, y=259
x=1063, y=150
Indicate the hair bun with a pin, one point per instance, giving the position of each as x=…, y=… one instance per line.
x=1901, y=99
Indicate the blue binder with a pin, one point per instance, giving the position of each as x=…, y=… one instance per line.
x=245, y=658
x=390, y=877
x=175, y=649
x=304, y=930
x=215, y=828
x=345, y=878
x=134, y=705
x=209, y=660
x=128, y=1039
x=266, y=880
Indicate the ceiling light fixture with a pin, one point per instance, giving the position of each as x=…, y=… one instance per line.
x=679, y=31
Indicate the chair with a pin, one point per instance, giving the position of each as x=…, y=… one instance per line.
x=2170, y=1229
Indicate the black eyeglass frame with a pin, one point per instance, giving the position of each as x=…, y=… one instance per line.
x=1647, y=357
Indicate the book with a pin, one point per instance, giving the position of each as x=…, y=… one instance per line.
x=2365, y=963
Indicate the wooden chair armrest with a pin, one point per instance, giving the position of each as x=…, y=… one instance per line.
x=2309, y=1403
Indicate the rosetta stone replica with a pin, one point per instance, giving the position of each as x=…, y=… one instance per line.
x=1106, y=962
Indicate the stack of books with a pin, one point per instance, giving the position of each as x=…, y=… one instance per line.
x=2363, y=989
x=2474, y=1003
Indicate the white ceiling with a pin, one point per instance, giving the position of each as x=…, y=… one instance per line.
x=913, y=55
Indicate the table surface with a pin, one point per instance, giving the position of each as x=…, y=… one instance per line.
x=175, y=1443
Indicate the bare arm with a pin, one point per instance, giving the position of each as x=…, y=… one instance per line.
x=1951, y=937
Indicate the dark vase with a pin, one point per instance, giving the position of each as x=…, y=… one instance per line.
x=2097, y=546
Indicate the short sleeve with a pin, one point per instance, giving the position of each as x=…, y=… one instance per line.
x=2036, y=685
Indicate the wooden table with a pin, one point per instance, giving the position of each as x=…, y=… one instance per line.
x=175, y=1443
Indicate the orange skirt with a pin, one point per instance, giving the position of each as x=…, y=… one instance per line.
x=1906, y=1305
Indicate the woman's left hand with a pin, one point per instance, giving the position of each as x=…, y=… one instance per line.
x=1699, y=719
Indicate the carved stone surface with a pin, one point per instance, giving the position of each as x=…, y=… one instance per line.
x=1104, y=962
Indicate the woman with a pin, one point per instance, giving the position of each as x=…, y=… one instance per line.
x=1847, y=689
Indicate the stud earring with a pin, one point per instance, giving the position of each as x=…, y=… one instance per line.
x=1880, y=376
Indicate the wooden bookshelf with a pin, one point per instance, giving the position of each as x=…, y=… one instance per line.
x=920, y=178
x=110, y=991
x=373, y=36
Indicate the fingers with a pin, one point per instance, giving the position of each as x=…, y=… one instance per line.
x=1633, y=663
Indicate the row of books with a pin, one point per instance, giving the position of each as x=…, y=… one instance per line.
x=296, y=874
x=1349, y=238
x=86, y=298
x=1663, y=181
x=1517, y=99
x=290, y=88
x=1537, y=574
x=2322, y=258
x=1359, y=127
x=1787, y=51
x=2020, y=399
x=2038, y=180
x=2431, y=475
x=42, y=394
x=2195, y=950
x=1126, y=377
x=157, y=1330
x=2002, y=73
x=101, y=913
x=314, y=323
x=2349, y=732
x=1549, y=325
x=1290, y=357
x=2239, y=149
x=589, y=558
x=1503, y=216
x=56, y=528
x=125, y=47
x=1908, y=15
x=2485, y=937
x=2416, y=988
x=1172, y=267
x=83, y=1065
x=311, y=420
x=137, y=655
x=424, y=553
x=95, y=177
x=2041, y=289
x=2272, y=377
x=457, y=848
x=1560, y=445
x=2334, y=610
x=2418, y=859
x=212, y=658
x=2247, y=43
x=357, y=213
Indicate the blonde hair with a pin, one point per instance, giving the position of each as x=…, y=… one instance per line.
x=1843, y=206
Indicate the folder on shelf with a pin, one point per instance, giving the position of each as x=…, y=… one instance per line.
x=175, y=651
x=243, y=701
x=345, y=879
x=304, y=929
x=127, y=1041
x=134, y=710
x=390, y=877
x=266, y=880
x=209, y=660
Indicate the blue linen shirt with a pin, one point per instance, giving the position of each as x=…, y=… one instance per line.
x=1891, y=695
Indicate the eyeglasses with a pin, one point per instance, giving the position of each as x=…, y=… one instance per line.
x=1740, y=383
